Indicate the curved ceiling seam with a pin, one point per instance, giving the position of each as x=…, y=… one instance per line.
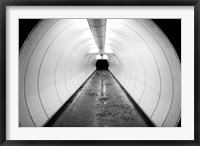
x=65, y=65
x=29, y=36
x=66, y=69
x=27, y=69
x=55, y=72
x=67, y=81
x=112, y=61
x=118, y=54
x=145, y=85
x=41, y=62
x=127, y=78
x=114, y=50
x=155, y=62
x=172, y=77
x=156, y=66
x=173, y=48
x=135, y=51
x=70, y=77
x=168, y=64
x=61, y=54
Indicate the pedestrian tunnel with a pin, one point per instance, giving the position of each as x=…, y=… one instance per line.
x=61, y=57
x=102, y=64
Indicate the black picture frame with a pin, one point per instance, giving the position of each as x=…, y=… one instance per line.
x=5, y=3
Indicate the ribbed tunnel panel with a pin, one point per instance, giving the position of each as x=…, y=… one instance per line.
x=50, y=76
x=161, y=69
x=60, y=54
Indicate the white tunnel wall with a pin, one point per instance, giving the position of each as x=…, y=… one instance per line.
x=149, y=68
x=53, y=65
x=59, y=55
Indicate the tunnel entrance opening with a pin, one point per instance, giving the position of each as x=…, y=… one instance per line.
x=102, y=64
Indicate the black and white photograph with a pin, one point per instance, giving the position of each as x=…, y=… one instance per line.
x=99, y=72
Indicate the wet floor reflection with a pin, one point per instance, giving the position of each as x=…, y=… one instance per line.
x=101, y=103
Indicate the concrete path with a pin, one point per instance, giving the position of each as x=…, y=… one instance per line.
x=100, y=103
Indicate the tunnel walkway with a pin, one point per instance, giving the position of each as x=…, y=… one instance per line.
x=100, y=103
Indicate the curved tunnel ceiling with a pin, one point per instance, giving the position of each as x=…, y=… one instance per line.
x=60, y=54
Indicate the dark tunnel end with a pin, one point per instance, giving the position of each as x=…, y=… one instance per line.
x=102, y=64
